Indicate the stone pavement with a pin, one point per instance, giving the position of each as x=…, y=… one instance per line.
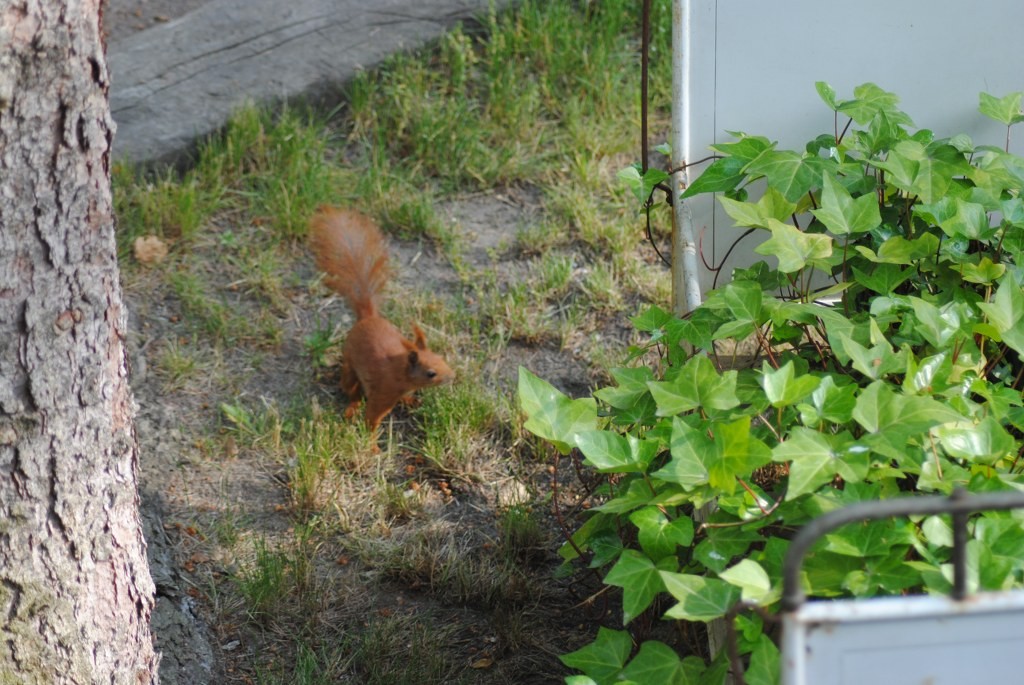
x=179, y=81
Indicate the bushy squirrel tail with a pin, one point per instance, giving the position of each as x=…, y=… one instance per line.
x=352, y=252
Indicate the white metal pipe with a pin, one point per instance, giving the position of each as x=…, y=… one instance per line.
x=686, y=295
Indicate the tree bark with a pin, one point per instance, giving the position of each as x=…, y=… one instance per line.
x=75, y=589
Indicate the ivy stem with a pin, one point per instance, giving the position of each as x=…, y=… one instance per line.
x=757, y=498
x=558, y=511
x=845, y=129
x=769, y=426
x=690, y=164
x=1016, y=381
x=734, y=524
x=935, y=454
x=990, y=367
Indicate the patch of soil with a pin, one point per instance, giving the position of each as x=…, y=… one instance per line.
x=199, y=488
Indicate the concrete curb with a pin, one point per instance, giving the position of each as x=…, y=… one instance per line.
x=178, y=82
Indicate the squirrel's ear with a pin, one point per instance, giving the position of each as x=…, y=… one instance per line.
x=414, y=358
x=421, y=340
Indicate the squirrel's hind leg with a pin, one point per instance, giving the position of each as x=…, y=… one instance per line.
x=377, y=407
x=353, y=390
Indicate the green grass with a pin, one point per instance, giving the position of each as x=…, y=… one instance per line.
x=264, y=583
x=542, y=99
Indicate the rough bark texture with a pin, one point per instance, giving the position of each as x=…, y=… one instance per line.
x=75, y=590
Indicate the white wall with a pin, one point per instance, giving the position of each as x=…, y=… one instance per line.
x=754, y=64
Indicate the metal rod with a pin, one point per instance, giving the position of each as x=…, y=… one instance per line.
x=959, y=547
x=645, y=50
x=957, y=504
x=686, y=295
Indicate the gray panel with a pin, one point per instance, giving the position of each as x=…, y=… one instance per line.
x=754, y=65
x=905, y=641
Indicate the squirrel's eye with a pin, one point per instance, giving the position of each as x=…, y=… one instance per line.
x=431, y=373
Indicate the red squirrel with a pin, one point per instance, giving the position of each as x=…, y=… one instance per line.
x=379, y=363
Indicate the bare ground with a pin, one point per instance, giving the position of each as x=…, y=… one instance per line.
x=203, y=492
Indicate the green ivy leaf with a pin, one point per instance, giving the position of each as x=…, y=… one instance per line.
x=794, y=248
x=1006, y=313
x=959, y=218
x=786, y=171
x=842, y=214
x=876, y=362
x=833, y=402
x=765, y=663
x=862, y=539
x=870, y=101
x=913, y=171
x=1006, y=110
x=1012, y=210
x=1003, y=535
x=630, y=397
x=984, y=272
x=651, y=319
x=929, y=375
x=884, y=278
x=721, y=176
x=722, y=544
x=742, y=213
x=888, y=573
x=938, y=326
x=783, y=387
x=580, y=680
x=656, y=662
x=603, y=658
x=610, y=452
x=771, y=205
x=999, y=399
x=659, y=536
x=752, y=580
x=938, y=531
x=736, y=453
x=985, y=442
x=744, y=300
x=826, y=573
x=744, y=148
x=631, y=386
x=697, y=329
x=879, y=409
x=606, y=546
x=899, y=250
x=551, y=415
x=591, y=528
x=686, y=467
x=697, y=385
x=828, y=94
x=813, y=461
x=700, y=598
x=641, y=183
x=640, y=581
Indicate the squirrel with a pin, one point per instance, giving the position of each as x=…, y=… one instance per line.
x=379, y=363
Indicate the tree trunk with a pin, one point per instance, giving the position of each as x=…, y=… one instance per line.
x=75, y=590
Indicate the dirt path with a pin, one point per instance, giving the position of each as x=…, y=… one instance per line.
x=205, y=495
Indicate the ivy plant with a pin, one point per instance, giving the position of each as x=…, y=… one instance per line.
x=877, y=354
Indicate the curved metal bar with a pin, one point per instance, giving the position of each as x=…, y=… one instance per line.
x=959, y=504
